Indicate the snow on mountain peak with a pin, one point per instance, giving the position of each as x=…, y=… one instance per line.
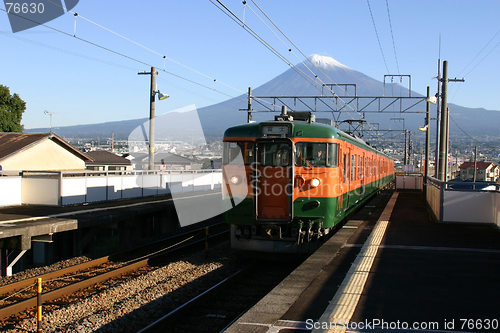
x=326, y=62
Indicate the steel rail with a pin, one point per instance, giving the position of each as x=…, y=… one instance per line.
x=15, y=308
x=158, y=325
x=19, y=285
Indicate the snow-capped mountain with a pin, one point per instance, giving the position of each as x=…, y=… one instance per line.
x=306, y=80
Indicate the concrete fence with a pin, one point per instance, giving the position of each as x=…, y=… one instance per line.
x=59, y=188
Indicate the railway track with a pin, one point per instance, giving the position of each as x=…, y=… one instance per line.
x=60, y=285
x=221, y=304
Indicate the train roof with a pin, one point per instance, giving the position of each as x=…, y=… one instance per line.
x=298, y=129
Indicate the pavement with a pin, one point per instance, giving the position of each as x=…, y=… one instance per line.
x=391, y=269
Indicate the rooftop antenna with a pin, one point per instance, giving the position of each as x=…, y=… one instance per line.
x=50, y=114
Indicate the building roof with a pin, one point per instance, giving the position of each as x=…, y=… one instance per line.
x=167, y=158
x=480, y=165
x=107, y=158
x=13, y=143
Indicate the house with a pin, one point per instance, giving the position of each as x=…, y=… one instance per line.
x=39, y=151
x=106, y=161
x=163, y=161
x=486, y=171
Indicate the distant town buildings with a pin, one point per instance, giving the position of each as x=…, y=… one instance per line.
x=107, y=161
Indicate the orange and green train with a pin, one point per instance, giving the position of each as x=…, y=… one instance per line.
x=288, y=182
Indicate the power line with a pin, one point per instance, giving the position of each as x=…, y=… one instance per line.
x=124, y=55
x=392, y=35
x=472, y=138
x=477, y=55
x=238, y=21
x=307, y=58
x=376, y=33
x=363, y=117
x=483, y=59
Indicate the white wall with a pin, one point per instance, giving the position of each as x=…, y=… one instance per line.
x=10, y=191
x=471, y=207
x=46, y=155
x=66, y=188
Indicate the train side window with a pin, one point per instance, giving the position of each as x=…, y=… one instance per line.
x=332, y=155
x=353, y=167
x=316, y=154
x=345, y=167
x=231, y=150
x=361, y=173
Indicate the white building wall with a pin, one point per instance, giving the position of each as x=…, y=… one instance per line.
x=46, y=155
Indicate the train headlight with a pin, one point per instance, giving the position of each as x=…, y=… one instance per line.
x=235, y=180
x=315, y=182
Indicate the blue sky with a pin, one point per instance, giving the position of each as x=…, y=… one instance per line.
x=84, y=84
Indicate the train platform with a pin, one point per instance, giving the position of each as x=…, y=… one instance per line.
x=389, y=269
x=57, y=232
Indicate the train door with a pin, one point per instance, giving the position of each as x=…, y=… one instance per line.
x=348, y=171
x=274, y=180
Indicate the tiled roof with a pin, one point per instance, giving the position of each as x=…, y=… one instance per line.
x=168, y=158
x=106, y=157
x=480, y=165
x=11, y=143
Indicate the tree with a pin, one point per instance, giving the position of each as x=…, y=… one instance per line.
x=11, y=111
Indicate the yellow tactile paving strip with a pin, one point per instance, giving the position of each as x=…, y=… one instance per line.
x=343, y=304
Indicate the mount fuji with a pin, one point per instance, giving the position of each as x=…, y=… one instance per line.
x=298, y=81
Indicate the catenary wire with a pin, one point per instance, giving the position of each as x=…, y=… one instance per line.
x=237, y=20
x=376, y=33
x=477, y=55
x=146, y=48
x=124, y=55
x=392, y=34
x=307, y=58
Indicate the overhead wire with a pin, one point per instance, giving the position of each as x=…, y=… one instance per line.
x=477, y=55
x=376, y=33
x=147, y=48
x=471, y=137
x=122, y=55
x=392, y=34
x=307, y=58
x=483, y=59
x=237, y=20
x=288, y=48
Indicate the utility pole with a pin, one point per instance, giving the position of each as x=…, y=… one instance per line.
x=444, y=135
x=475, y=164
x=405, y=160
x=427, y=133
x=409, y=148
x=438, y=105
x=249, y=110
x=152, y=94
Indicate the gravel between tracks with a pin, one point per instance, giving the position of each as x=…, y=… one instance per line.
x=33, y=272
x=131, y=304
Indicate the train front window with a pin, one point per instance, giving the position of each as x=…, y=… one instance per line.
x=232, y=150
x=316, y=154
x=275, y=154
